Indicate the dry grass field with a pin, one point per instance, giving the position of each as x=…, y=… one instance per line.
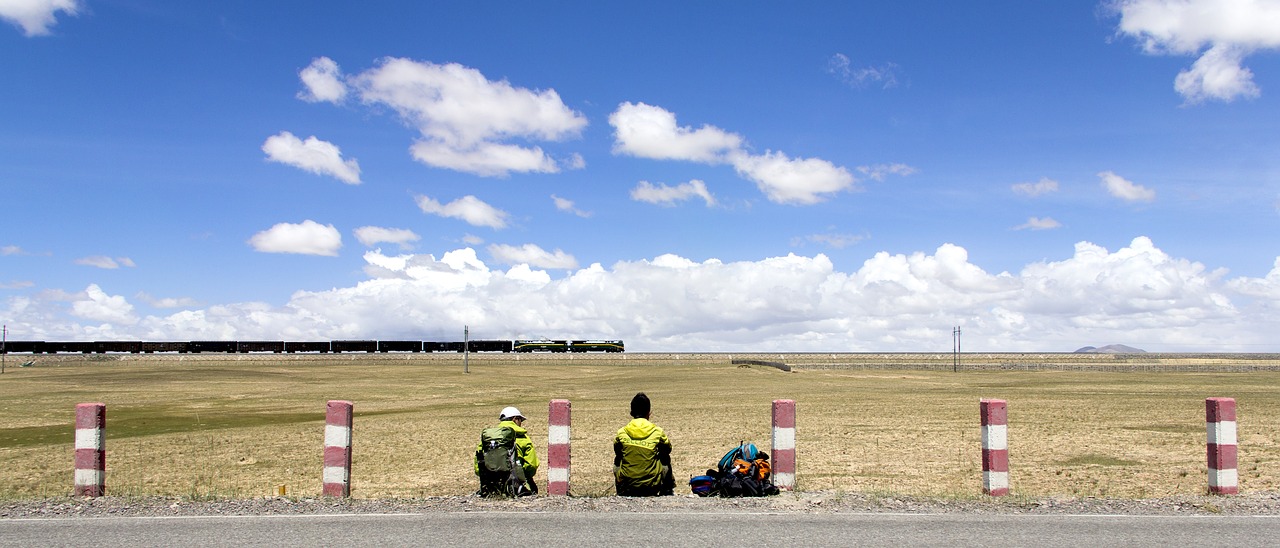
x=239, y=426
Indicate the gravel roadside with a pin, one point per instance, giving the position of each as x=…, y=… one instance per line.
x=786, y=503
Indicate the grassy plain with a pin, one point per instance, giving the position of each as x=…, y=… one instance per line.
x=232, y=426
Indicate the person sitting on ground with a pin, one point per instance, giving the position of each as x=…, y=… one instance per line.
x=506, y=460
x=642, y=455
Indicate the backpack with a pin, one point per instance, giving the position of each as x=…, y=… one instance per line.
x=743, y=472
x=501, y=468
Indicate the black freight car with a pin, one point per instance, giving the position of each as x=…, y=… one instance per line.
x=489, y=346
x=354, y=346
x=197, y=347
x=306, y=346
x=132, y=347
x=181, y=347
x=24, y=347
x=245, y=347
x=399, y=346
x=432, y=346
x=53, y=347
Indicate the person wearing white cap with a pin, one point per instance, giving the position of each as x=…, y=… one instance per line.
x=512, y=419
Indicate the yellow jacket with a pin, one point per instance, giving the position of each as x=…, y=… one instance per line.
x=524, y=449
x=641, y=455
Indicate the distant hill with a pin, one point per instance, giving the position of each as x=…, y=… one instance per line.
x=1110, y=349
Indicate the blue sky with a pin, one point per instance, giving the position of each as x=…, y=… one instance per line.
x=683, y=176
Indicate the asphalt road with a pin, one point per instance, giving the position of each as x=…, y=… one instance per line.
x=646, y=529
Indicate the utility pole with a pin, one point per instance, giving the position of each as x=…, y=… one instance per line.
x=4, y=337
x=955, y=349
x=466, y=348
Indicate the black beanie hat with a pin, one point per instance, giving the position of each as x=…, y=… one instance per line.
x=640, y=406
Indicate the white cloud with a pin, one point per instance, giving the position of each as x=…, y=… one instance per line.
x=1221, y=32
x=1037, y=223
x=1125, y=189
x=323, y=81
x=833, y=240
x=167, y=302
x=466, y=120
x=36, y=16
x=567, y=205
x=1136, y=295
x=532, y=255
x=1044, y=186
x=106, y=263
x=647, y=131
x=467, y=208
x=17, y=284
x=95, y=305
x=11, y=250
x=374, y=235
x=306, y=238
x=842, y=68
x=878, y=172
x=667, y=196
x=313, y=155
x=788, y=180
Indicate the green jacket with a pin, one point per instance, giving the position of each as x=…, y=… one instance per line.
x=524, y=448
x=641, y=455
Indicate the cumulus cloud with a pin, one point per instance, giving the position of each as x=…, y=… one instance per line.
x=1044, y=186
x=305, y=238
x=1037, y=223
x=374, y=235
x=466, y=121
x=96, y=305
x=885, y=76
x=532, y=255
x=467, y=208
x=105, y=262
x=1125, y=189
x=35, y=17
x=647, y=131
x=667, y=196
x=1137, y=294
x=313, y=155
x=787, y=180
x=323, y=82
x=566, y=205
x=1221, y=32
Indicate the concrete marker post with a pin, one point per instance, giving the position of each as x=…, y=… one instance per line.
x=91, y=449
x=558, y=450
x=784, y=444
x=995, y=447
x=1220, y=444
x=337, y=449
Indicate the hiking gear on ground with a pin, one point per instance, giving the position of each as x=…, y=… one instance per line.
x=743, y=472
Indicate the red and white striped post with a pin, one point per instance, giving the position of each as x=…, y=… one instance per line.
x=784, y=444
x=558, y=447
x=337, y=449
x=995, y=447
x=1220, y=424
x=91, y=449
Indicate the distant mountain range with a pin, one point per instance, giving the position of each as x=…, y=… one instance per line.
x=1110, y=349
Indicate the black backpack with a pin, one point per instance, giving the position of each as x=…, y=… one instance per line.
x=501, y=468
x=742, y=472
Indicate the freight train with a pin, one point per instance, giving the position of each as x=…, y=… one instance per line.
x=323, y=347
